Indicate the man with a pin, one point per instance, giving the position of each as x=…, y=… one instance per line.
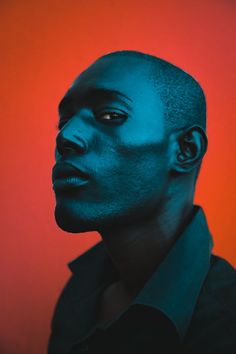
x=130, y=144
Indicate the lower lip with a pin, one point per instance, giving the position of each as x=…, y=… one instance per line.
x=69, y=183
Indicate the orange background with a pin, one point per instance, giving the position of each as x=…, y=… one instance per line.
x=44, y=45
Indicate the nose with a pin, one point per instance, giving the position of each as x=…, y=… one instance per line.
x=71, y=139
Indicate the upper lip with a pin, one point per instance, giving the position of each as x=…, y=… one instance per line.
x=65, y=169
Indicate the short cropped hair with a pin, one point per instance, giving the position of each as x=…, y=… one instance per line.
x=182, y=96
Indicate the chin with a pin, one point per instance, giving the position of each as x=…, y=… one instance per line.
x=77, y=218
x=71, y=224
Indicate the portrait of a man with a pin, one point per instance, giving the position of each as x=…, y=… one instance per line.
x=131, y=140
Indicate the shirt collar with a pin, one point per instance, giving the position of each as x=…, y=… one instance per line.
x=174, y=287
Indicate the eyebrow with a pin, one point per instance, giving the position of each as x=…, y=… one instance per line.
x=95, y=93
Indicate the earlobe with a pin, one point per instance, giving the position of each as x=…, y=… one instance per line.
x=191, y=147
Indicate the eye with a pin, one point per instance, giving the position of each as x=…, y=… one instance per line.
x=111, y=117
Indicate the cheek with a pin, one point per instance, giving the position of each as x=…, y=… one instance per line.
x=147, y=161
x=121, y=169
x=132, y=173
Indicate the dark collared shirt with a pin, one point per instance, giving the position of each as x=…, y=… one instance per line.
x=187, y=306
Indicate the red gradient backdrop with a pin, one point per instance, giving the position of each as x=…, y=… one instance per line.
x=44, y=45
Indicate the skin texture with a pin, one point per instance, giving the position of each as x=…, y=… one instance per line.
x=126, y=159
x=140, y=174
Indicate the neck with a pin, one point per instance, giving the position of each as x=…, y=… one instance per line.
x=137, y=249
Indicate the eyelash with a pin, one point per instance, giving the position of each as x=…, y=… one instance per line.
x=117, y=118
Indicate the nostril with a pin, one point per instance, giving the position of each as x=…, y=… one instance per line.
x=66, y=146
x=68, y=150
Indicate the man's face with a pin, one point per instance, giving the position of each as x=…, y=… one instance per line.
x=112, y=129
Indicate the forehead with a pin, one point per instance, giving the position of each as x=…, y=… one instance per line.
x=106, y=79
x=129, y=76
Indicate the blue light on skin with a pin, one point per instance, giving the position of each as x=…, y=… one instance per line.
x=137, y=194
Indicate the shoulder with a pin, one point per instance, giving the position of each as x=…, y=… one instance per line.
x=65, y=304
x=213, y=325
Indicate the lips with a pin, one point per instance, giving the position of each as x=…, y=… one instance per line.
x=65, y=176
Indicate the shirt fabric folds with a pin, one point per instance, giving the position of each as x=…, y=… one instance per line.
x=187, y=306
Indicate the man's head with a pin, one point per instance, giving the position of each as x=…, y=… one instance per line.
x=131, y=138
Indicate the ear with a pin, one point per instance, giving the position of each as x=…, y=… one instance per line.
x=190, y=147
